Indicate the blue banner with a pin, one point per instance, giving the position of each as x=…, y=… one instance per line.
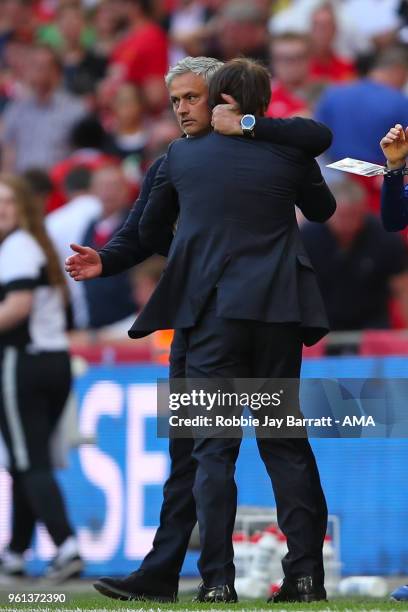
x=114, y=488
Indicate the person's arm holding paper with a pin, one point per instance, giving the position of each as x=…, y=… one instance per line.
x=394, y=195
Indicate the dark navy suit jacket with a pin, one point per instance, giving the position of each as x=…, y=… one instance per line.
x=234, y=199
x=125, y=250
x=394, y=202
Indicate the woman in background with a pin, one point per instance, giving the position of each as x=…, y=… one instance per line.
x=35, y=378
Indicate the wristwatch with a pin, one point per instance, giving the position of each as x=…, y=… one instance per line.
x=248, y=123
x=399, y=171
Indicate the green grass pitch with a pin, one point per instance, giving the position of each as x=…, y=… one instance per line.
x=100, y=603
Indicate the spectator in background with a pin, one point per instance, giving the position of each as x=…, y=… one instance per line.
x=36, y=129
x=360, y=113
x=129, y=137
x=68, y=224
x=35, y=382
x=187, y=29
x=16, y=22
x=13, y=71
x=358, y=265
x=81, y=67
x=143, y=281
x=41, y=186
x=161, y=134
x=241, y=31
x=87, y=141
x=49, y=33
x=141, y=56
x=297, y=17
x=377, y=21
x=105, y=27
x=108, y=299
x=291, y=65
x=326, y=64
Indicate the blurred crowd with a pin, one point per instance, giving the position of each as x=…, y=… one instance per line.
x=84, y=111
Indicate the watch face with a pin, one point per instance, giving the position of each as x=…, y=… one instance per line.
x=248, y=122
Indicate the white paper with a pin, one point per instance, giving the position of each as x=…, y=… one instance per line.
x=356, y=166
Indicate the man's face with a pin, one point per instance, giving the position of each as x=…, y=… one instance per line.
x=290, y=61
x=323, y=29
x=189, y=97
x=348, y=220
x=110, y=186
x=43, y=74
x=71, y=25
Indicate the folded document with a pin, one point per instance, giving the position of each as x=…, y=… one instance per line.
x=356, y=166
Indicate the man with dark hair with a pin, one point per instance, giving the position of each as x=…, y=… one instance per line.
x=229, y=79
x=187, y=82
x=240, y=287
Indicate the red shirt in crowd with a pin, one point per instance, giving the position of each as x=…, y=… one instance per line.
x=89, y=158
x=336, y=69
x=284, y=103
x=142, y=54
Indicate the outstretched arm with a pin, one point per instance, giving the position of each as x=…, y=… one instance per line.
x=311, y=137
x=315, y=199
x=156, y=226
x=123, y=251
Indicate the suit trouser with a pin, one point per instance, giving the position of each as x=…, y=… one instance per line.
x=228, y=348
x=178, y=511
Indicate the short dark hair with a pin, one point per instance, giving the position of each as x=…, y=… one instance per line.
x=39, y=181
x=87, y=133
x=77, y=179
x=245, y=80
x=145, y=5
x=390, y=57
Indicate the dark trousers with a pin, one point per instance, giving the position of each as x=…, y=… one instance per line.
x=34, y=390
x=178, y=512
x=228, y=348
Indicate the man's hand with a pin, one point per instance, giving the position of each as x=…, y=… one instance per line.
x=395, y=147
x=226, y=118
x=85, y=264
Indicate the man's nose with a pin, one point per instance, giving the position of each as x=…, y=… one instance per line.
x=183, y=107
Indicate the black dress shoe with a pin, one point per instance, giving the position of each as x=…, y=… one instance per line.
x=137, y=587
x=218, y=594
x=303, y=590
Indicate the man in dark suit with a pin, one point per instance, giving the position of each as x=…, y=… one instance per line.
x=241, y=287
x=188, y=81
